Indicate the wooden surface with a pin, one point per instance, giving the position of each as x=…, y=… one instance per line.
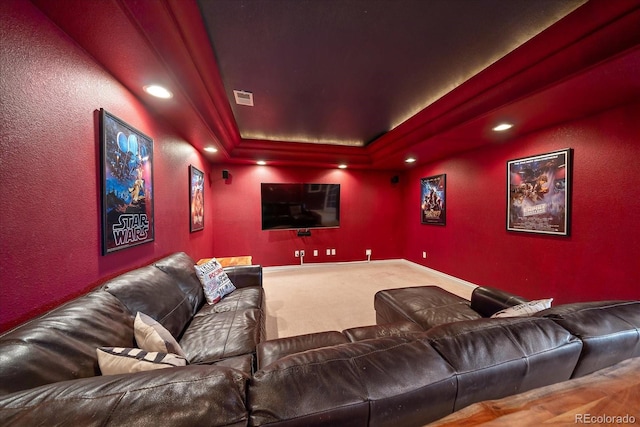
x=612, y=392
x=228, y=261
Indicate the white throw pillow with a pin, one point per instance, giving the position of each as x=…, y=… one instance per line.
x=525, y=309
x=152, y=336
x=215, y=282
x=118, y=360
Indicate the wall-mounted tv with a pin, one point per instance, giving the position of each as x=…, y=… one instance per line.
x=300, y=206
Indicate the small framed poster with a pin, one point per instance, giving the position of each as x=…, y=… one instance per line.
x=433, y=200
x=196, y=199
x=127, y=185
x=538, y=193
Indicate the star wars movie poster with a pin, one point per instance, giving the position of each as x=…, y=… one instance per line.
x=127, y=185
x=432, y=200
x=538, y=193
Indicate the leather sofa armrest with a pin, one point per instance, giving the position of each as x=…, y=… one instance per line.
x=193, y=395
x=243, y=276
x=488, y=301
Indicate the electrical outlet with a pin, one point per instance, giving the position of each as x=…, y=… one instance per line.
x=424, y=254
x=367, y=252
x=297, y=254
x=333, y=251
x=315, y=252
x=328, y=251
x=301, y=253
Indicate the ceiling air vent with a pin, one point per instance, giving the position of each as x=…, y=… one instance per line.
x=243, y=97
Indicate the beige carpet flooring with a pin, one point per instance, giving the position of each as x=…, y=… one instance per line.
x=333, y=297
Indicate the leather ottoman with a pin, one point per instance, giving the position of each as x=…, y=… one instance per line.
x=428, y=306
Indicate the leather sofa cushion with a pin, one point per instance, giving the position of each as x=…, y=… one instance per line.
x=181, y=268
x=240, y=299
x=61, y=344
x=428, y=306
x=354, y=386
x=396, y=329
x=494, y=358
x=244, y=363
x=487, y=301
x=210, y=338
x=153, y=292
x=213, y=396
x=602, y=326
x=268, y=352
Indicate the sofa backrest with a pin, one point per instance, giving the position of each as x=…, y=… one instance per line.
x=156, y=293
x=181, y=268
x=494, y=358
x=61, y=344
x=609, y=330
x=384, y=382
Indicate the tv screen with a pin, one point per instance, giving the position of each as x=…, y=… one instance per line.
x=300, y=206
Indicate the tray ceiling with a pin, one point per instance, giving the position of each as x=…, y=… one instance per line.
x=346, y=72
x=366, y=83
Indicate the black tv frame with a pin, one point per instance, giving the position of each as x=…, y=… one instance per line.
x=299, y=206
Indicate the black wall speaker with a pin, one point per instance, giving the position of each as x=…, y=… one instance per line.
x=395, y=179
x=225, y=174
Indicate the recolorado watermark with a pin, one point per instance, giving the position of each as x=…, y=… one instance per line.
x=604, y=419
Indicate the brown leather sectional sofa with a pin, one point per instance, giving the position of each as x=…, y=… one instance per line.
x=395, y=374
x=404, y=374
x=49, y=373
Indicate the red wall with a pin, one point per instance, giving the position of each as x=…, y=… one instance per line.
x=370, y=207
x=49, y=186
x=600, y=260
x=49, y=175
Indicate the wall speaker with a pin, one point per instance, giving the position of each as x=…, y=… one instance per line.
x=395, y=179
x=225, y=174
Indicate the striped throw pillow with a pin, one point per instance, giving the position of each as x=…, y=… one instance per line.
x=119, y=360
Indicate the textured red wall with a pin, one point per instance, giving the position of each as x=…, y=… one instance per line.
x=49, y=186
x=49, y=175
x=370, y=207
x=600, y=260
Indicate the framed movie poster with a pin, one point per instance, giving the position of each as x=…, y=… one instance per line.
x=538, y=193
x=433, y=200
x=196, y=198
x=127, y=185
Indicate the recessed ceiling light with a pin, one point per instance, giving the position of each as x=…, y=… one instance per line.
x=261, y=162
x=410, y=160
x=502, y=127
x=158, y=91
x=342, y=166
x=211, y=149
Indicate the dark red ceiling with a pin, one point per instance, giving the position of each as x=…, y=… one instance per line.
x=350, y=70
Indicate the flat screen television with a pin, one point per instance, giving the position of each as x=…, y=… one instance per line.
x=300, y=206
